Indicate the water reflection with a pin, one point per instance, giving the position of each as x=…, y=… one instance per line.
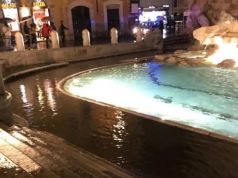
x=167, y=93
x=40, y=97
x=23, y=92
x=49, y=87
x=119, y=129
x=26, y=98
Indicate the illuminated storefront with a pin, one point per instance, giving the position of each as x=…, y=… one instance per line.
x=24, y=12
x=9, y=8
x=152, y=16
x=40, y=11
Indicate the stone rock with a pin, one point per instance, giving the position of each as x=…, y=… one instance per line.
x=208, y=35
x=161, y=58
x=191, y=54
x=195, y=47
x=196, y=17
x=197, y=62
x=179, y=51
x=183, y=63
x=172, y=60
x=227, y=63
x=212, y=11
x=220, y=10
x=203, y=21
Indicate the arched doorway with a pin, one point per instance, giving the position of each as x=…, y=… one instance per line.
x=81, y=20
x=113, y=14
x=113, y=17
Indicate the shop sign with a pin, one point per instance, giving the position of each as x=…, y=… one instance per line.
x=39, y=3
x=12, y=13
x=8, y=4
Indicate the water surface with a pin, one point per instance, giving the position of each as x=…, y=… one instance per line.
x=199, y=97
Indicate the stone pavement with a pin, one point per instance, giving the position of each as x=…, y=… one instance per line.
x=27, y=153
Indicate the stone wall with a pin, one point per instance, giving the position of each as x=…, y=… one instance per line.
x=70, y=54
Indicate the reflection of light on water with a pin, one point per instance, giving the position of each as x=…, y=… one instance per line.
x=119, y=129
x=118, y=94
x=40, y=96
x=50, y=95
x=27, y=106
x=104, y=90
x=23, y=94
x=118, y=90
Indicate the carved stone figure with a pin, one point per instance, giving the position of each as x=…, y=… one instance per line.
x=196, y=17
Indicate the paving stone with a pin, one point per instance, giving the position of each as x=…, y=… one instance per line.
x=42, y=155
x=44, y=161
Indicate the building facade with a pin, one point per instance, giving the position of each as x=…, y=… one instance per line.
x=98, y=16
x=174, y=6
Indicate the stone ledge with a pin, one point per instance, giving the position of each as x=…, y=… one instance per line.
x=24, y=58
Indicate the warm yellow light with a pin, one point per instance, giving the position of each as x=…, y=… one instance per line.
x=226, y=50
x=7, y=141
x=24, y=11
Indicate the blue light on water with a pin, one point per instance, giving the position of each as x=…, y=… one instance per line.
x=197, y=97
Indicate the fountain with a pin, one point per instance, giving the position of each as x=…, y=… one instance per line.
x=182, y=89
x=214, y=25
x=5, y=100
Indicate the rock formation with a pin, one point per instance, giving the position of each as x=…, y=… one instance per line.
x=214, y=24
x=228, y=31
x=210, y=12
x=196, y=17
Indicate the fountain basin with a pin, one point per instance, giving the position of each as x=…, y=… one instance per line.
x=202, y=99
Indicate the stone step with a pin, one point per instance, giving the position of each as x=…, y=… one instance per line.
x=43, y=148
x=78, y=158
x=81, y=163
x=9, y=169
x=31, y=158
x=20, y=159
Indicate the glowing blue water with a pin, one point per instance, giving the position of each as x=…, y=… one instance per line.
x=198, y=97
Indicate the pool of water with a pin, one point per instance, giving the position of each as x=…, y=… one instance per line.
x=147, y=148
x=199, y=97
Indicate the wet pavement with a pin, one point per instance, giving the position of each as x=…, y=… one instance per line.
x=31, y=153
